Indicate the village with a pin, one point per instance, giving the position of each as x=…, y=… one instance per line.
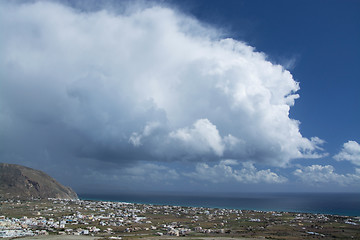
x=119, y=220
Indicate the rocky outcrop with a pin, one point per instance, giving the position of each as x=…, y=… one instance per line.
x=20, y=182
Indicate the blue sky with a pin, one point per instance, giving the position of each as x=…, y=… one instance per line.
x=212, y=96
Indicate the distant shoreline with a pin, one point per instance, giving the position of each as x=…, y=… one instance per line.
x=342, y=204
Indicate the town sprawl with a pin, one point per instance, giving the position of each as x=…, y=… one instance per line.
x=119, y=220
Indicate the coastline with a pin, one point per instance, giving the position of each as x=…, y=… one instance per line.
x=341, y=204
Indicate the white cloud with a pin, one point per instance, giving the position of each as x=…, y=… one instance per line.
x=225, y=172
x=88, y=84
x=349, y=152
x=135, y=137
x=148, y=172
x=317, y=174
x=202, y=137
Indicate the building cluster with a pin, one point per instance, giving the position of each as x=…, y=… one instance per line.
x=82, y=217
x=14, y=228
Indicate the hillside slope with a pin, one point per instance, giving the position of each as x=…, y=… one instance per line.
x=21, y=182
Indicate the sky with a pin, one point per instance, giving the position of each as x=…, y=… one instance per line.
x=183, y=96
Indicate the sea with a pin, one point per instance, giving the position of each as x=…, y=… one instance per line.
x=345, y=204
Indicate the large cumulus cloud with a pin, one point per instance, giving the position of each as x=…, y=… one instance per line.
x=150, y=84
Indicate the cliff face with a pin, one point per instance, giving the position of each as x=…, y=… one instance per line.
x=21, y=182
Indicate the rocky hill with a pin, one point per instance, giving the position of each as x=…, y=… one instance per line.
x=19, y=182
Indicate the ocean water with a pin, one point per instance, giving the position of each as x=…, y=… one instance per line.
x=347, y=204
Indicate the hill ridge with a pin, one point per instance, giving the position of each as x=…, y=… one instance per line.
x=21, y=182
